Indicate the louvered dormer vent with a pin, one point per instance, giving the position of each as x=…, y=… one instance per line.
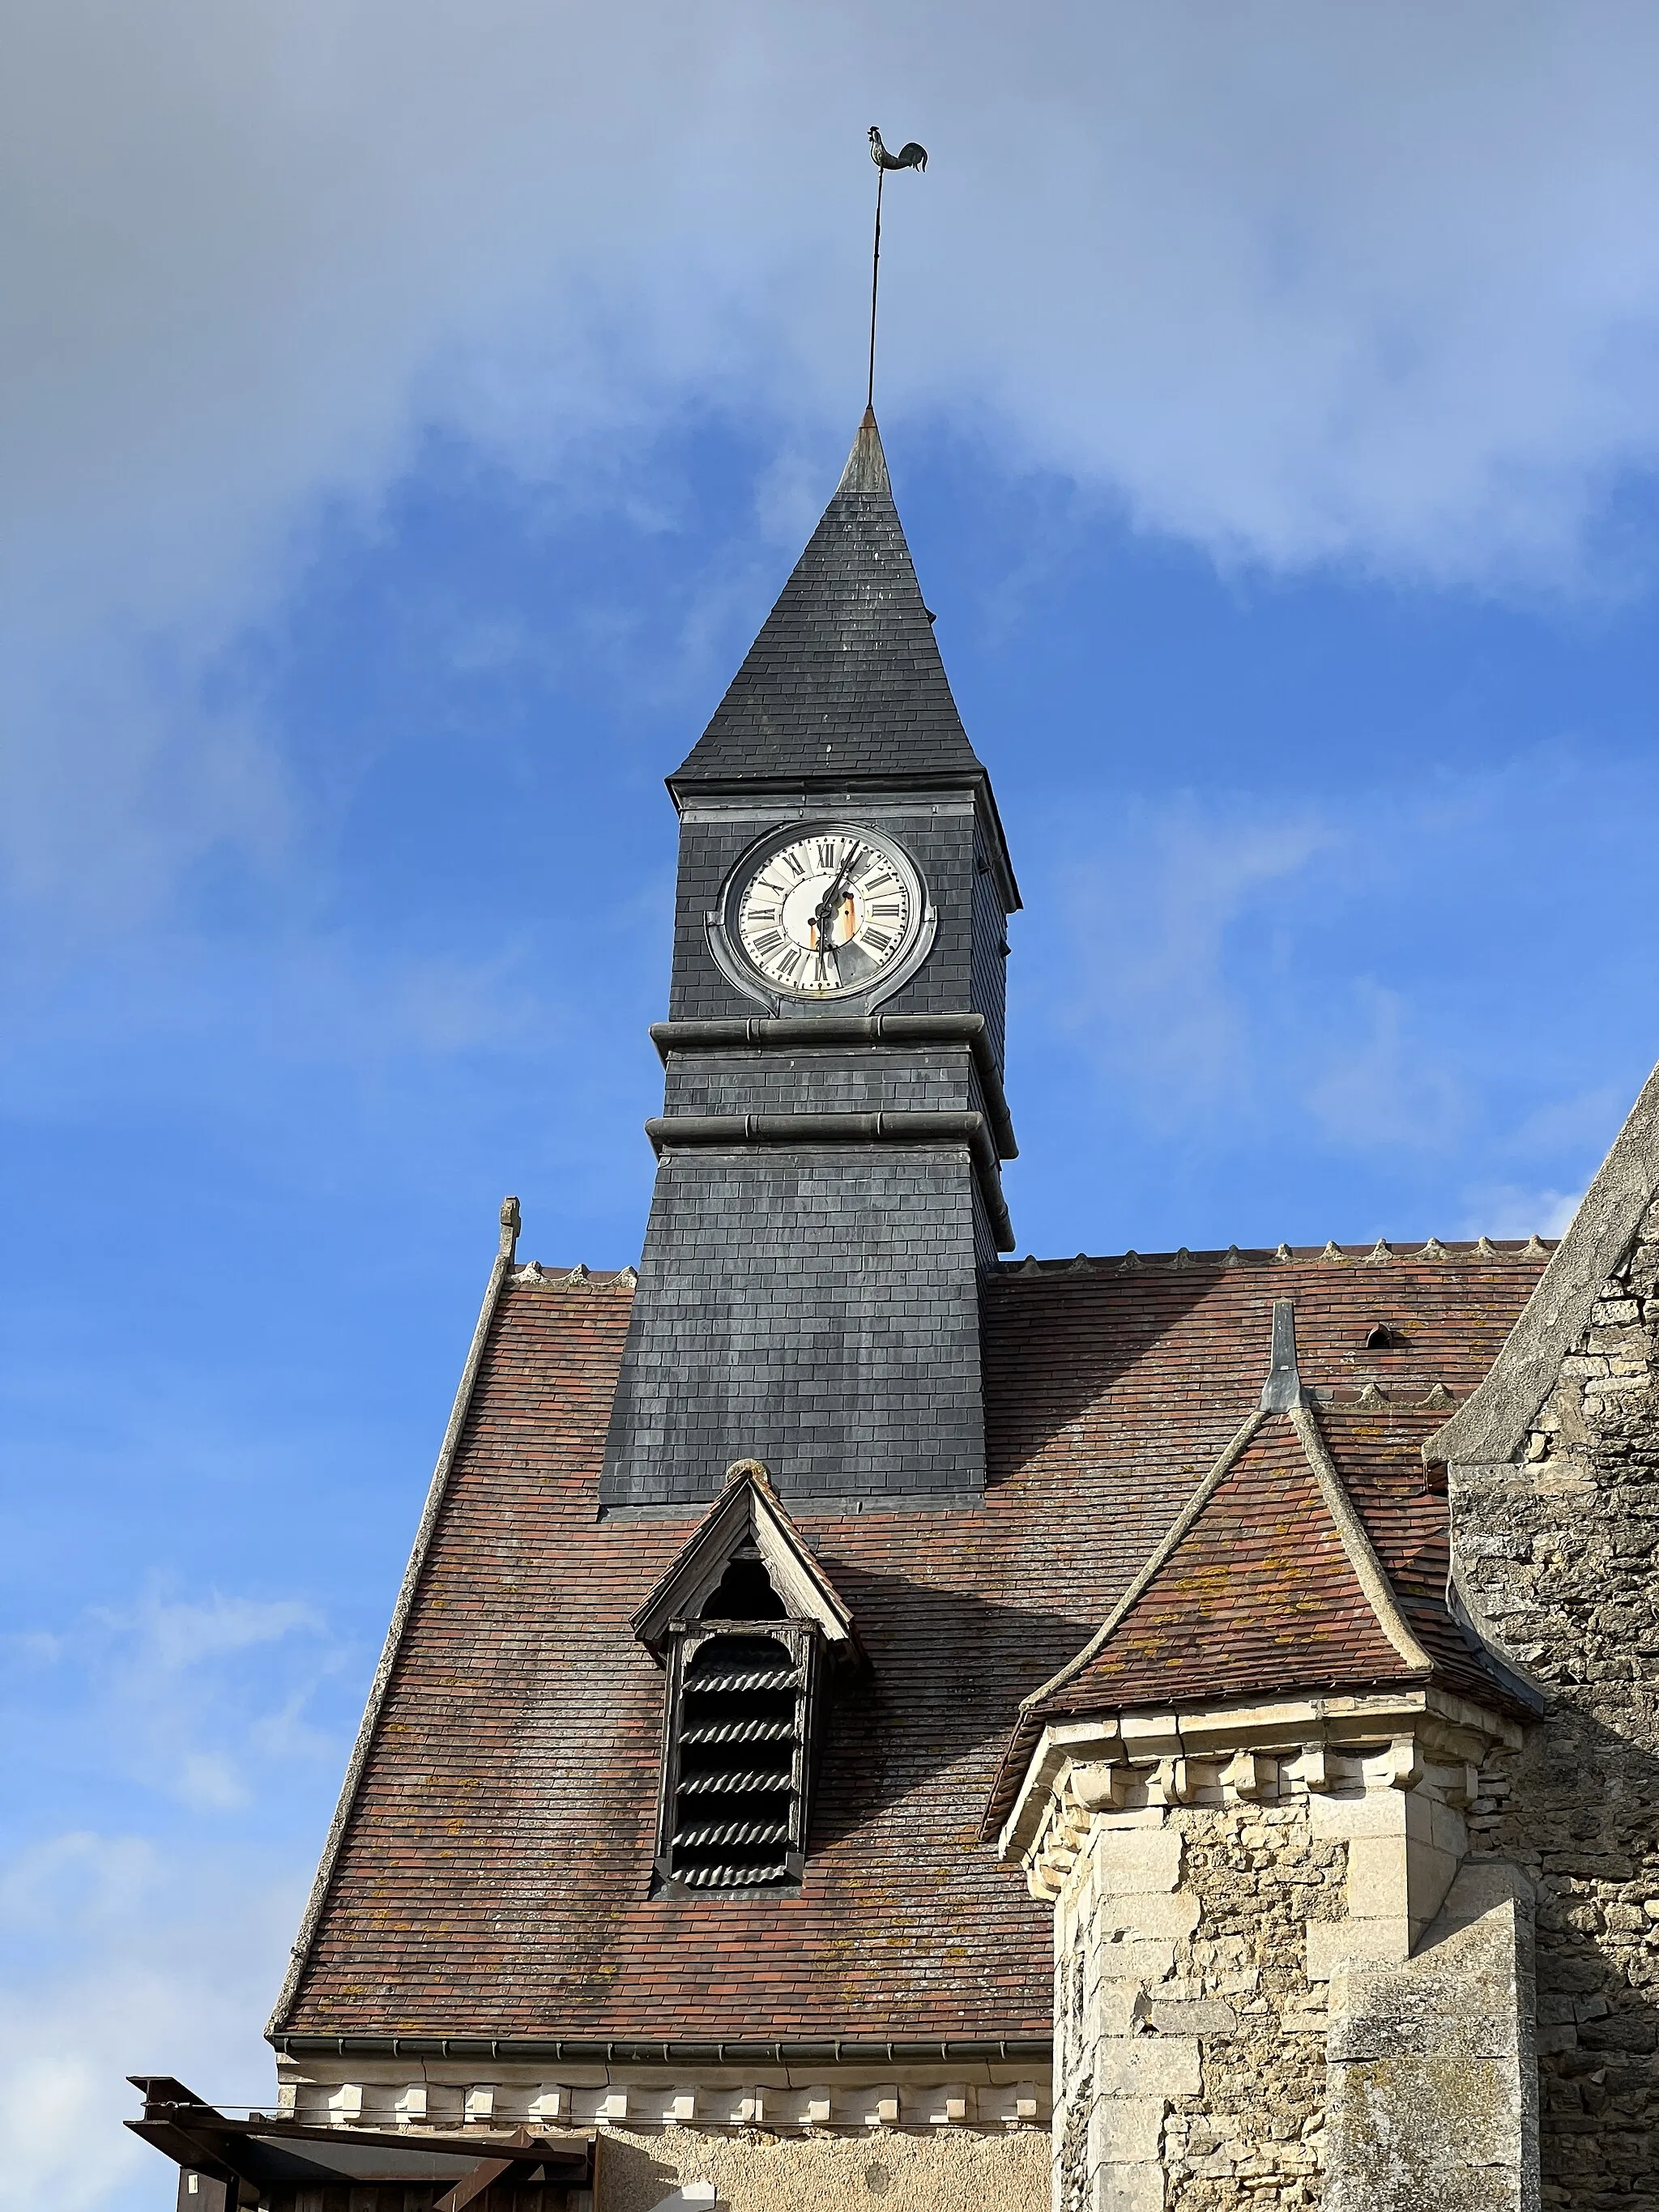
x=737, y=1768
x=746, y=1622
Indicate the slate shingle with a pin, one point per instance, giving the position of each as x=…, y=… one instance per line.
x=844, y=682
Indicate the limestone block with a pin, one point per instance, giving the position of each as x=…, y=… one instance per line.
x=1137, y=1962
x=1147, y=2066
x=1116, y=2007
x=1127, y=2188
x=1334, y=1814
x=1146, y=1913
x=1130, y=1861
x=1378, y=1877
x=1331, y=1941
x=1125, y=2131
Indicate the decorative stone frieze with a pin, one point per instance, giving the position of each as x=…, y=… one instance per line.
x=991, y=2097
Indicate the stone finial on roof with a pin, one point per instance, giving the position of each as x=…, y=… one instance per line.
x=511, y=1225
x=748, y=1470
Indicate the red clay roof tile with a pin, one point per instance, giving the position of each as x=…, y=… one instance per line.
x=493, y=1877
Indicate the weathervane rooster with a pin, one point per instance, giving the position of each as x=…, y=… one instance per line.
x=907, y=157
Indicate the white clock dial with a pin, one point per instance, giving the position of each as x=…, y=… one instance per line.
x=825, y=914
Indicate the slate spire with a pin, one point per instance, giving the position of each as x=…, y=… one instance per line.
x=844, y=682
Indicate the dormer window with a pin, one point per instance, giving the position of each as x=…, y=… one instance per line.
x=744, y=1622
x=736, y=1752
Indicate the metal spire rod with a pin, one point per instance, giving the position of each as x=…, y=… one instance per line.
x=875, y=279
x=907, y=157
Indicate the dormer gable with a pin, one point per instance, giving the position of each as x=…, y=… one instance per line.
x=746, y=1542
x=743, y=1621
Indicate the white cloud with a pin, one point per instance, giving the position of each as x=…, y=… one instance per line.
x=159, y=1963
x=1506, y=1209
x=1147, y=933
x=123, y=1951
x=1294, y=282
x=156, y=1692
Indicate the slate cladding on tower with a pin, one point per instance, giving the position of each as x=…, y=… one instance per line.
x=809, y=1294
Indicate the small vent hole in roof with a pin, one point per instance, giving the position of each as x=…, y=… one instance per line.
x=1382, y=1338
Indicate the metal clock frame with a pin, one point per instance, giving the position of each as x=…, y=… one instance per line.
x=733, y=964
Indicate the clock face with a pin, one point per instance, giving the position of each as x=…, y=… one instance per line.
x=828, y=913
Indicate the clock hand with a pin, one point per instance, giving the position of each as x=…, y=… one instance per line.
x=824, y=919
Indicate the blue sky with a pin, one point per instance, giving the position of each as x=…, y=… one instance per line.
x=409, y=433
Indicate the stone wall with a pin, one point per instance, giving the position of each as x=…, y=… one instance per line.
x=1556, y=1563
x=964, y=2171
x=1189, y=2041
x=770, y=2139
x=1279, y=1981
x=1254, y=2132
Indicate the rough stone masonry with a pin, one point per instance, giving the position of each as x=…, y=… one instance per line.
x=1554, y=1556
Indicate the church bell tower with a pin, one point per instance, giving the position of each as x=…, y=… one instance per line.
x=828, y=1187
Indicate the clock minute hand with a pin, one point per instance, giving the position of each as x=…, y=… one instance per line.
x=824, y=919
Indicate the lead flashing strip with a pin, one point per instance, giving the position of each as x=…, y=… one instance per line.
x=1361, y=1555
x=786, y=1033
x=1490, y=1425
x=437, y=1491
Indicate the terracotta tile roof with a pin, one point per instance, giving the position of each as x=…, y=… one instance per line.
x=1259, y=1595
x=493, y=1875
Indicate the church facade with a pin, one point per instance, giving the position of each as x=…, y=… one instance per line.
x=868, y=1718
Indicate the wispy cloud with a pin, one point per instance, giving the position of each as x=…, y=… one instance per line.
x=1506, y=1209
x=1304, y=285
x=164, y=1963
x=1388, y=1088
x=1148, y=934
x=184, y=1696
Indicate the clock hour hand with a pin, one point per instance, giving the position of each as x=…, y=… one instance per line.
x=823, y=920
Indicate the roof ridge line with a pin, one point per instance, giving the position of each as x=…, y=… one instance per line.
x=1368, y=1568
x=1231, y=1454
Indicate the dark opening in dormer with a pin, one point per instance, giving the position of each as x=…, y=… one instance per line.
x=745, y=1592
x=1383, y=1339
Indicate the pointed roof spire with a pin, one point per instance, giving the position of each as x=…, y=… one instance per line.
x=844, y=682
